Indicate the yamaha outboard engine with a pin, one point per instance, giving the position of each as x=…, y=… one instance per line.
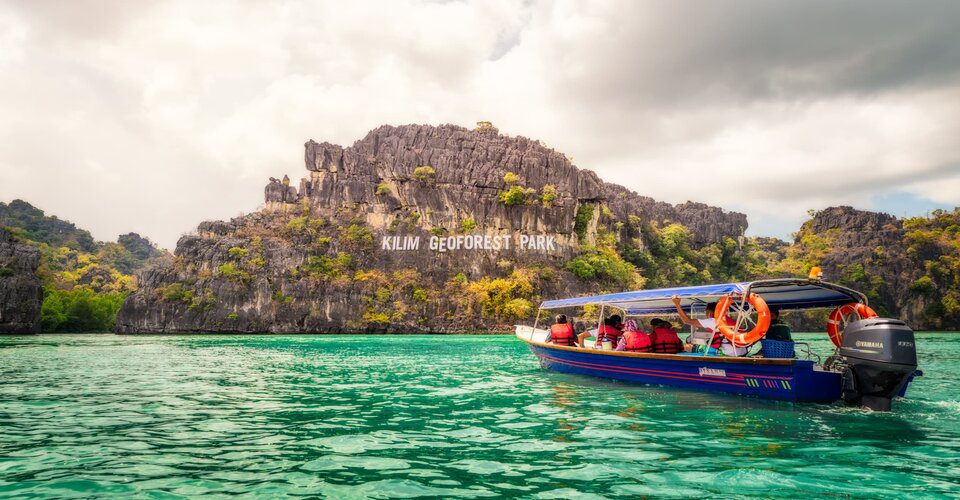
x=881, y=357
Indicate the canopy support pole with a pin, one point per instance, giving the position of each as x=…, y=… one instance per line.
x=535, y=321
x=599, y=339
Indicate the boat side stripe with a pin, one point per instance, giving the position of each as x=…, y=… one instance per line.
x=635, y=371
x=650, y=371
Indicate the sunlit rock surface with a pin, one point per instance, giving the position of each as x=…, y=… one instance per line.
x=314, y=258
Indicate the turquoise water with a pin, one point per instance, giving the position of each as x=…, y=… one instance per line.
x=472, y=416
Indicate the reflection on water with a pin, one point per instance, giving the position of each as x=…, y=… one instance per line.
x=356, y=416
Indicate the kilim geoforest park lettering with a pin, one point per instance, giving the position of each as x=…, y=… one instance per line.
x=523, y=242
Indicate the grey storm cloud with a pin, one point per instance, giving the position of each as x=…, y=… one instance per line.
x=670, y=53
x=152, y=116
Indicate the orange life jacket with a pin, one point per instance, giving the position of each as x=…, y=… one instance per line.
x=636, y=342
x=607, y=332
x=562, y=334
x=665, y=340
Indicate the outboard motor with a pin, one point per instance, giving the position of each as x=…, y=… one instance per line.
x=881, y=356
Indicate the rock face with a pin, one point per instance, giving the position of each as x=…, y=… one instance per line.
x=868, y=252
x=332, y=254
x=469, y=168
x=20, y=290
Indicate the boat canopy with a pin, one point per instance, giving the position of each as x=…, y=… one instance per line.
x=781, y=293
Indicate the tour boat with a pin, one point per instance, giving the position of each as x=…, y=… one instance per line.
x=874, y=361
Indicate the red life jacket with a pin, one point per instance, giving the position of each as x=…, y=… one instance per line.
x=606, y=332
x=718, y=337
x=665, y=340
x=562, y=334
x=636, y=342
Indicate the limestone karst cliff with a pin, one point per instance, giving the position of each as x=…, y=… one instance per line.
x=20, y=290
x=466, y=176
x=909, y=268
x=331, y=253
x=446, y=229
x=83, y=281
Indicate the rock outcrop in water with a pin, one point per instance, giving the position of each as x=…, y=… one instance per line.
x=908, y=268
x=348, y=248
x=21, y=293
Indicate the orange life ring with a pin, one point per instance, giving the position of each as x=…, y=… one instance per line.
x=745, y=338
x=839, y=314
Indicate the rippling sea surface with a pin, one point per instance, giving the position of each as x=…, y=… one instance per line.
x=405, y=416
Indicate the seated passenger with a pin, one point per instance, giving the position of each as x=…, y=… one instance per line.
x=778, y=329
x=664, y=338
x=634, y=339
x=719, y=342
x=561, y=333
x=610, y=330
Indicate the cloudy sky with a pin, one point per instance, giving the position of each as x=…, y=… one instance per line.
x=151, y=116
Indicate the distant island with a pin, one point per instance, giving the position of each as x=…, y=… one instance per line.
x=445, y=229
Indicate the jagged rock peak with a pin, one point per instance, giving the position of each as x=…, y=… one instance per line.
x=478, y=157
x=851, y=219
x=449, y=173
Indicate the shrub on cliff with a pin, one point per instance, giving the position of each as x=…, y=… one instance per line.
x=231, y=272
x=175, y=292
x=357, y=235
x=204, y=301
x=238, y=252
x=582, y=219
x=515, y=195
x=548, y=195
x=297, y=224
x=424, y=173
x=467, y=225
x=325, y=268
x=506, y=299
x=484, y=126
x=606, y=266
x=305, y=224
x=383, y=189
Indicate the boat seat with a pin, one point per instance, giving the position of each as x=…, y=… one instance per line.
x=778, y=349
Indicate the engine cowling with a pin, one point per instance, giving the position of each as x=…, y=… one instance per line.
x=881, y=356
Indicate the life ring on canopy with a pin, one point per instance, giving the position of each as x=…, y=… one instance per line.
x=731, y=332
x=841, y=313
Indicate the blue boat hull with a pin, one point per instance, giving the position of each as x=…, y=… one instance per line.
x=783, y=379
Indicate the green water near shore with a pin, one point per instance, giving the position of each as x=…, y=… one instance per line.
x=475, y=416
